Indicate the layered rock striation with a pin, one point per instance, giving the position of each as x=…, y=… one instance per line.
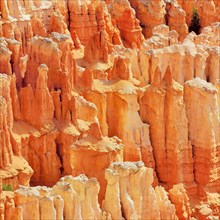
x=92, y=87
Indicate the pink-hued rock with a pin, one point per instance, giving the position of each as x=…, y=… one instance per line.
x=98, y=48
x=14, y=169
x=8, y=209
x=70, y=198
x=176, y=18
x=161, y=37
x=208, y=10
x=179, y=198
x=167, y=210
x=150, y=14
x=168, y=130
x=204, y=139
x=5, y=57
x=37, y=102
x=126, y=124
x=129, y=189
x=105, y=151
x=91, y=84
x=87, y=19
x=6, y=149
x=50, y=53
x=194, y=60
x=127, y=23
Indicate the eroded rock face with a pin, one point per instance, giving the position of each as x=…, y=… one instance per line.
x=128, y=188
x=170, y=143
x=38, y=102
x=88, y=83
x=70, y=198
x=176, y=18
x=13, y=167
x=88, y=18
x=204, y=139
x=128, y=24
x=208, y=10
x=150, y=14
x=129, y=193
x=180, y=199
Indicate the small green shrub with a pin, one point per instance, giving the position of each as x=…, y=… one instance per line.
x=6, y=187
x=195, y=22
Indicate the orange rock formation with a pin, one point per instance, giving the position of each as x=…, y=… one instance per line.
x=109, y=110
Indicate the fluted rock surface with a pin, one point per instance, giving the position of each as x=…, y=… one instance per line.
x=14, y=169
x=176, y=18
x=88, y=83
x=70, y=198
x=88, y=18
x=208, y=10
x=150, y=14
x=168, y=130
x=204, y=139
x=127, y=23
x=180, y=199
x=130, y=194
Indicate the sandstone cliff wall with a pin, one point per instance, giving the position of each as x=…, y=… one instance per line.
x=86, y=86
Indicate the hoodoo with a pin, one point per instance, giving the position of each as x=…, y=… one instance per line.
x=109, y=109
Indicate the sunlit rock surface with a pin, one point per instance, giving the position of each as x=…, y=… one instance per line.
x=109, y=107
